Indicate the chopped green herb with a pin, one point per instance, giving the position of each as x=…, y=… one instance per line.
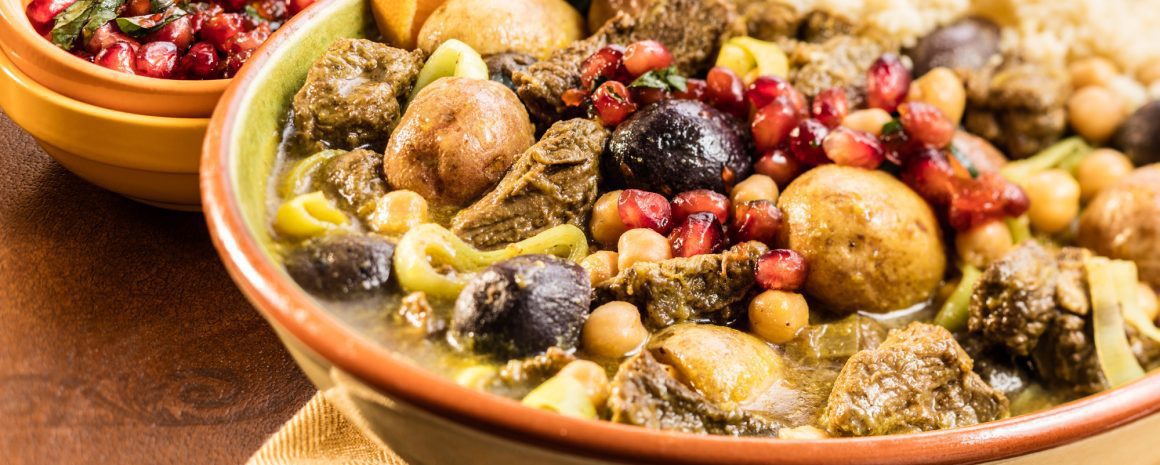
x=82, y=19
x=892, y=127
x=966, y=162
x=664, y=79
x=138, y=26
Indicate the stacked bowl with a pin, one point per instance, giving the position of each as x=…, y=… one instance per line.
x=139, y=137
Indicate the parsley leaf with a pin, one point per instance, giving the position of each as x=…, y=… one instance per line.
x=892, y=127
x=664, y=79
x=82, y=19
x=966, y=162
x=137, y=26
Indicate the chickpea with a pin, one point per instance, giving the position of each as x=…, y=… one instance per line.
x=642, y=245
x=984, y=244
x=756, y=187
x=613, y=330
x=1095, y=112
x=1149, y=72
x=777, y=316
x=1091, y=71
x=601, y=266
x=942, y=88
x=1054, y=197
x=1099, y=170
x=592, y=376
x=397, y=212
x=1148, y=303
x=606, y=226
x=870, y=120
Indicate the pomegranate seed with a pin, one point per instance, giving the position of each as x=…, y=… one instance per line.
x=695, y=89
x=887, y=82
x=231, y=5
x=805, y=142
x=42, y=13
x=643, y=209
x=612, y=103
x=757, y=220
x=106, y=35
x=201, y=62
x=773, y=123
x=248, y=41
x=157, y=59
x=925, y=123
x=645, y=96
x=975, y=202
x=235, y=61
x=179, y=32
x=607, y=64
x=574, y=97
x=782, y=270
x=220, y=28
x=725, y=91
x=272, y=10
x=1015, y=201
x=767, y=88
x=297, y=6
x=928, y=172
x=646, y=55
x=700, y=201
x=202, y=12
x=779, y=165
x=699, y=233
x=850, y=147
x=899, y=146
x=117, y=57
x=83, y=55
x=830, y=107
x=137, y=8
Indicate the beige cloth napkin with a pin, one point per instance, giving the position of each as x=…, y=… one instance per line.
x=320, y=435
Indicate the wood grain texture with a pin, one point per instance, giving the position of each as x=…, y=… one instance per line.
x=122, y=339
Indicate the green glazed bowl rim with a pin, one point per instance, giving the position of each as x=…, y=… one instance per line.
x=240, y=238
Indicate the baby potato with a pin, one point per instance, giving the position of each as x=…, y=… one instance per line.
x=871, y=242
x=456, y=140
x=534, y=27
x=1123, y=221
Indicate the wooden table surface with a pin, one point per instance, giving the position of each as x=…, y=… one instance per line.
x=122, y=339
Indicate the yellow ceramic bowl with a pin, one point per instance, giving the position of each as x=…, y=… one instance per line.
x=78, y=79
x=147, y=158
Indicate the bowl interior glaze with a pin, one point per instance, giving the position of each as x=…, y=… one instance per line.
x=238, y=158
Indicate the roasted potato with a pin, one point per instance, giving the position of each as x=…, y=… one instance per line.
x=456, y=140
x=872, y=244
x=1123, y=222
x=534, y=27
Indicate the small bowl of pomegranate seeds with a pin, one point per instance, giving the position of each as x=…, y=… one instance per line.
x=152, y=57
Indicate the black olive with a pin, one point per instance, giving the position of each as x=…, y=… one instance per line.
x=1139, y=135
x=675, y=146
x=965, y=44
x=342, y=266
x=523, y=306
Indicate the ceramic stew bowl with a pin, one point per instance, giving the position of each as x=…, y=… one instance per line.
x=79, y=80
x=429, y=420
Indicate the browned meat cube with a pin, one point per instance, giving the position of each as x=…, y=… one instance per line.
x=1014, y=301
x=919, y=379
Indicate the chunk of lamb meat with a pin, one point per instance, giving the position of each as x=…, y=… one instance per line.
x=354, y=95
x=1066, y=356
x=553, y=183
x=768, y=20
x=699, y=288
x=841, y=61
x=1014, y=301
x=501, y=66
x=1019, y=106
x=644, y=393
x=919, y=379
x=691, y=29
x=355, y=179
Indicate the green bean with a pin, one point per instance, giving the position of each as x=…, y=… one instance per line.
x=1020, y=229
x=428, y=246
x=1063, y=152
x=954, y=313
